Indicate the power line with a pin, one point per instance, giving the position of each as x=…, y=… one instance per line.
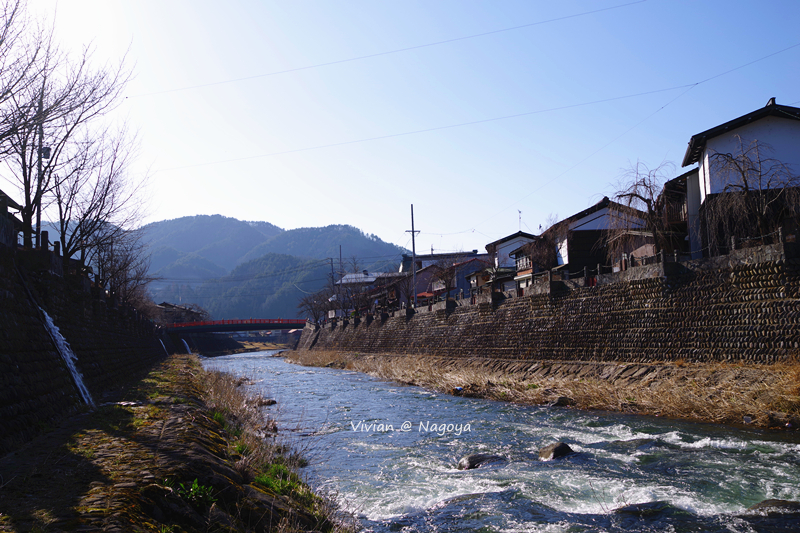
x=426, y=130
x=233, y=279
x=484, y=121
x=387, y=52
x=609, y=143
x=302, y=268
x=688, y=88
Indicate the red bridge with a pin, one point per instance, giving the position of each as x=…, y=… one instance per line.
x=238, y=325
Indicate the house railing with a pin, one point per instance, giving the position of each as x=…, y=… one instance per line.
x=675, y=213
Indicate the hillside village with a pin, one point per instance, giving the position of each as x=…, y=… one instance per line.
x=742, y=194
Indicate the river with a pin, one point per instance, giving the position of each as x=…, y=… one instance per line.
x=389, y=452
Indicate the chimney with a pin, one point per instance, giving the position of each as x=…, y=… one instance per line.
x=771, y=102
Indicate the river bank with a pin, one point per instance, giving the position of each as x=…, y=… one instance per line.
x=763, y=396
x=180, y=450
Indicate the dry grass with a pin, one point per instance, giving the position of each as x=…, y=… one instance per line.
x=767, y=396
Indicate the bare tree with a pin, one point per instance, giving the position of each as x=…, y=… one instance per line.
x=315, y=306
x=405, y=289
x=120, y=261
x=92, y=188
x=636, y=218
x=51, y=114
x=338, y=299
x=446, y=273
x=759, y=196
x=21, y=46
x=542, y=250
x=353, y=265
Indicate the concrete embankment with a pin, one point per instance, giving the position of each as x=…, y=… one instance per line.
x=168, y=447
x=112, y=345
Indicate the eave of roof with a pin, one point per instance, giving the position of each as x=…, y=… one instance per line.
x=698, y=142
x=10, y=202
x=680, y=179
x=513, y=236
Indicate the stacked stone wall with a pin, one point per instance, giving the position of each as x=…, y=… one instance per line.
x=36, y=389
x=747, y=312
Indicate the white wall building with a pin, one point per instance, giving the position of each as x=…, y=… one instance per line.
x=500, y=250
x=776, y=129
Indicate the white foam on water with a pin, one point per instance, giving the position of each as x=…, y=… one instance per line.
x=397, y=499
x=69, y=358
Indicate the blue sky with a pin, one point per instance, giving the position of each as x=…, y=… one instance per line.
x=333, y=144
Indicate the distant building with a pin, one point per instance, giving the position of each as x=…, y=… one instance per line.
x=500, y=250
x=167, y=313
x=459, y=277
x=579, y=239
x=776, y=126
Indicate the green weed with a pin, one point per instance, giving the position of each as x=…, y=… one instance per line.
x=279, y=479
x=196, y=495
x=242, y=448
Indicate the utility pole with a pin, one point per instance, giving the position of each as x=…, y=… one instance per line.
x=333, y=287
x=39, y=174
x=413, y=256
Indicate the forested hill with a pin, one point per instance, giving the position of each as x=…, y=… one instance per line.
x=320, y=243
x=267, y=287
x=239, y=269
x=221, y=240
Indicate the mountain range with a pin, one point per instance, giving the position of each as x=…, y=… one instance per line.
x=241, y=269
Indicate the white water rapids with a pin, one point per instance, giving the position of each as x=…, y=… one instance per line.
x=404, y=478
x=68, y=357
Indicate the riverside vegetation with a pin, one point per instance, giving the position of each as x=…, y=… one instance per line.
x=182, y=449
x=766, y=396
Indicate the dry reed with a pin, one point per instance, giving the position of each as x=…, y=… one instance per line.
x=765, y=396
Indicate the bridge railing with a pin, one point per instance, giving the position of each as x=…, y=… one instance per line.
x=250, y=321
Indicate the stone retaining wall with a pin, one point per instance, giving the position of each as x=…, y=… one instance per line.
x=36, y=388
x=745, y=312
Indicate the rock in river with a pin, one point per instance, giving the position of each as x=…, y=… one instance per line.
x=780, y=506
x=555, y=451
x=477, y=460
